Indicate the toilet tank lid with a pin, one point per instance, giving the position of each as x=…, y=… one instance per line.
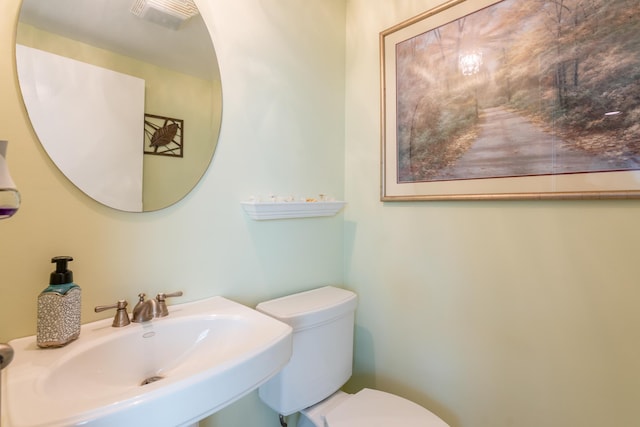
x=310, y=308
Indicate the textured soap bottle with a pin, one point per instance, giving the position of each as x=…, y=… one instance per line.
x=59, y=307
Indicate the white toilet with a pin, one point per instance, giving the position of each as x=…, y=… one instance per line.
x=322, y=320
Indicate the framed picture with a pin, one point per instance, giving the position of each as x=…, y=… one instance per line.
x=163, y=136
x=512, y=99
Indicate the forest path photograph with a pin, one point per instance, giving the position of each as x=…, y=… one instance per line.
x=509, y=144
x=521, y=88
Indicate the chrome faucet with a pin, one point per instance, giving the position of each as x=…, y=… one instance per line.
x=144, y=310
x=152, y=308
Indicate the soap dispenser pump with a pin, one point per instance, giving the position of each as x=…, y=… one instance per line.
x=59, y=307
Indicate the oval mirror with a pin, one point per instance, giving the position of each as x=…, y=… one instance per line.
x=124, y=95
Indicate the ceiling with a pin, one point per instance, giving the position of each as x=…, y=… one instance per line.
x=109, y=24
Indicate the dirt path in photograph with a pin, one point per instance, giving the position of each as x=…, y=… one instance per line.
x=510, y=145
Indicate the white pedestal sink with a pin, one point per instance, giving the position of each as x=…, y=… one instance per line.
x=171, y=371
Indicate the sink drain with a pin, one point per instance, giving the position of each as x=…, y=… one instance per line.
x=150, y=380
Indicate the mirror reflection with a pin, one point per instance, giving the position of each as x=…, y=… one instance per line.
x=124, y=95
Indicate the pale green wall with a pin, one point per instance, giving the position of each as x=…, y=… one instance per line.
x=493, y=314
x=282, y=67
x=167, y=93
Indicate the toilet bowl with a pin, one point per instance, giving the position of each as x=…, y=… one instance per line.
x=368, y=408
x=322, y=321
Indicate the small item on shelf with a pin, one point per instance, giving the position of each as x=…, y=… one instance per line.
x=272, y=198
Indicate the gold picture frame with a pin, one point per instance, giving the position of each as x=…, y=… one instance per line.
x=452, y=73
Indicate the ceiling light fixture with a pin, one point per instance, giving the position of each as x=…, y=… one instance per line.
x=168, y=13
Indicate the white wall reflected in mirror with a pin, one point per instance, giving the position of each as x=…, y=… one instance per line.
x=88, y=120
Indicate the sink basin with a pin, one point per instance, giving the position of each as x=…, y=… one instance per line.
x=171, y=371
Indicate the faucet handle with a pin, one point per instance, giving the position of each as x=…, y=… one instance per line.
x=121, y=318
x=161, y=296
x=162, y=305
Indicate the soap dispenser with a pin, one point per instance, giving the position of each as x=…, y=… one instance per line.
x=59, y=307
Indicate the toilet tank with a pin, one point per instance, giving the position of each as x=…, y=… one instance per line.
x=321, y=362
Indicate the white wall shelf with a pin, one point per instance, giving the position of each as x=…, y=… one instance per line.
x=288, y=210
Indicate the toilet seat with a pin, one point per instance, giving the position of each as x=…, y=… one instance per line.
x=374, y=408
